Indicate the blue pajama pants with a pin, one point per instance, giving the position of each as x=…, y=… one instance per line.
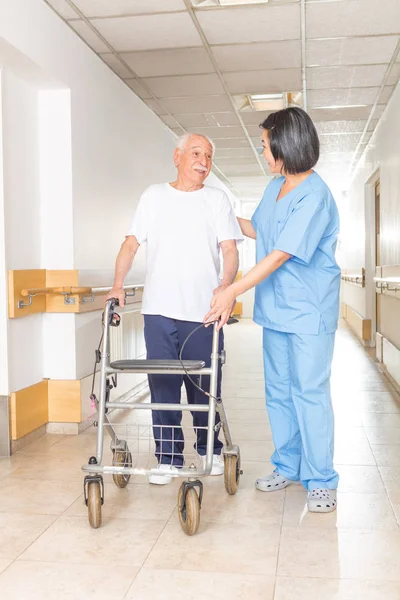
x=164, y=338
x=297, y=379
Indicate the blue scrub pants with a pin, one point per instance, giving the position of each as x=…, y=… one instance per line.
x=164, y=338
x=297, y=379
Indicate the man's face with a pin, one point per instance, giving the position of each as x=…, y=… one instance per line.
x=194, y=164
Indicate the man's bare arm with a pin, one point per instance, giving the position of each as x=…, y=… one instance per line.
x=122, y=267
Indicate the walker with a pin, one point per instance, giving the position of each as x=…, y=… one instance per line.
x=132, y=444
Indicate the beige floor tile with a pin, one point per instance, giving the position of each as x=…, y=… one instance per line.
x=348, y=554
x=254, y=431
x=383, y=435
x=256, y=450
x=353, y=453
x=354, y=511
x=227, y=548
x=247, y=416
x=244, y=403
x=118, y=542
x=4, y=564
x=386, y=455
x=9, y=465
x=334, y=589
x=42, y=444
x=193, y=585
x=390, y=477
x=360, y=479
x=60, y=467
x=37, y=496
x=19, y=530
x=133, y=502
x=25, y=580
x=380, y=420
x=247, y=506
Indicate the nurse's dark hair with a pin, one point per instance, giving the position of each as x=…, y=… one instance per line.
x=293, y=139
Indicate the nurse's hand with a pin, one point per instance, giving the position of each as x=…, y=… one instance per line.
x=222, y=306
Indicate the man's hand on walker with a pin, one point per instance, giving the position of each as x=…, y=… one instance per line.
x=221, y=307
x=118, y=293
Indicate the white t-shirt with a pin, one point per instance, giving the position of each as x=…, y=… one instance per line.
x=183, y=231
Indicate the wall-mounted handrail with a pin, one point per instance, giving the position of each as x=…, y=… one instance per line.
x=356, y=278
x=88, y=293
x=388, y=284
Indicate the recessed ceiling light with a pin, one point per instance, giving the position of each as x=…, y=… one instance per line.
x=268, y=102
x=336, y=106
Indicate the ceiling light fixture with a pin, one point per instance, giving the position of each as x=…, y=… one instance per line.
x=202, y=3
x=268, y=102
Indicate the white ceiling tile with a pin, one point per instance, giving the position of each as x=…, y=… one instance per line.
x=254, y=130
x=259, y=182
x=354, y=17
x=197, y=104
x=63, y=9
x=273, y=55
x=242, y=170
x=254, y=117
x=378, y=112
x=207, y=119
x=394, y=75
x=342, y=97
x=116, y=65
x=248, y=82
x=350, y=51
x=106, y=8
x=183, y=61
x=386, y=94
x=156, y=107
x=345, y=77
x=348, y=113
x=339, y=143
x=235, y=153
x=170, y=121
x=221, y=132
x=138, y=88
x=185, y=85
x=89, y=36
x=150, y=32
x=328, y=127
x=240, y=160
x=232, y=143
x=251, y=24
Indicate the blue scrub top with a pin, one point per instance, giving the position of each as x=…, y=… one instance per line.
x=303, y=292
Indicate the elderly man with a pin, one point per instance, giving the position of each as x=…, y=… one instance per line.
x=185, y=225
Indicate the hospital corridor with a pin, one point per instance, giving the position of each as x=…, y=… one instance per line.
x=199, y=299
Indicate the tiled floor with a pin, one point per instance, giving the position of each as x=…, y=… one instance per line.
x=249, y=546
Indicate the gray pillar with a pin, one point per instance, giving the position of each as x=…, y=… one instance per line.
x=5, y=448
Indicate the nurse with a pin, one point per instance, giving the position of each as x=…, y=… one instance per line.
x=297, y=281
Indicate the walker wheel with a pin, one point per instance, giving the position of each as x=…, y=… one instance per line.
x=188, y=509
x=232, y=473
x=121, y=458
x=94, y=503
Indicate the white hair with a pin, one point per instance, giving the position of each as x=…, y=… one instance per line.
x=182, y=141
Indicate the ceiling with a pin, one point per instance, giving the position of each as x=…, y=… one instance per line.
x=194, y=62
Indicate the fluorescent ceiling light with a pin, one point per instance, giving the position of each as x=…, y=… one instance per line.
x=201, y=3
x=268, y=101
x=336, y=106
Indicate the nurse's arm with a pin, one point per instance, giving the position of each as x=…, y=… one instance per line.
x=247, y=228
x=221, y=302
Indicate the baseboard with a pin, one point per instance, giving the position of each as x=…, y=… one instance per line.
x=360, y=326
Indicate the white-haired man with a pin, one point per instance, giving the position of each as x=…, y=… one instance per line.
x=185, y=225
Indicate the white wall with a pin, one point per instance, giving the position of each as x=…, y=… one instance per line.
x=383, y=155
x=80, y=148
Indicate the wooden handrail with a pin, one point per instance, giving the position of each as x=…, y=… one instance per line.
x=67, y=290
